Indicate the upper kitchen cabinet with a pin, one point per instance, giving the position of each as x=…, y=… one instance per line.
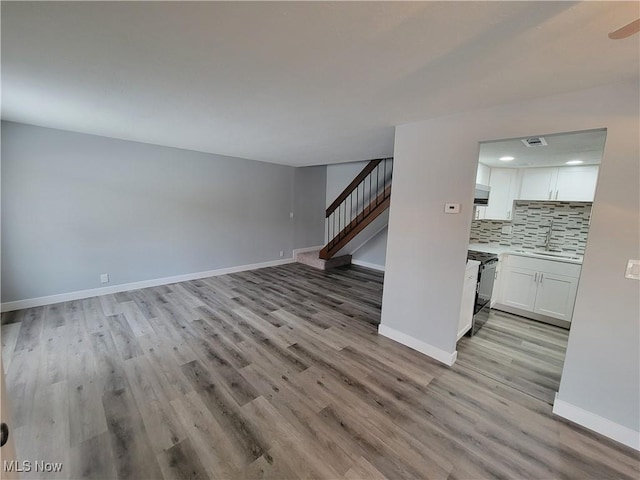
x=577, y=183
x=482, y=175
x=504, y=185
x=559, y=183
x=538, y=183
x=554, y=167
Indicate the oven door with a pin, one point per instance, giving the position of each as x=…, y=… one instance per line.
x=486, y=278
x=479, y=319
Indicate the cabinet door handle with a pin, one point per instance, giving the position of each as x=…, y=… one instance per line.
x=541, y=277
x=557, y=194
x=550, y=194
x=508, y=214
x=535, y=279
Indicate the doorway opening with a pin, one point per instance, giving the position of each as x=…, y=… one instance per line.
x=535, y=225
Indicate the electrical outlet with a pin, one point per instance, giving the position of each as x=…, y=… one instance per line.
x=104, y=278
x=281, y=253
x=290, y=214
x=507, y=229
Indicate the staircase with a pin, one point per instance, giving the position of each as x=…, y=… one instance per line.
x=359, y=204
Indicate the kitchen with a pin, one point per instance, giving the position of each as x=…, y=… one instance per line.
x=527, y=240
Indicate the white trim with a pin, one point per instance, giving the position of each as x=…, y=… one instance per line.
x=124, y=287
x=598, y=424
x=296, y=251
x=372, y=266
x=422, y=347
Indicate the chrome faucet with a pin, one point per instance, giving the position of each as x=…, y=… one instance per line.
x=547, y=242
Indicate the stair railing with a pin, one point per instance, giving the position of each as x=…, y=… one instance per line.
x=362, y=198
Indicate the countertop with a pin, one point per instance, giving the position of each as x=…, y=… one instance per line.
x=508, y=250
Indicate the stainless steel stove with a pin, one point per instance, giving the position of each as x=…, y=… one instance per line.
x=484, y=288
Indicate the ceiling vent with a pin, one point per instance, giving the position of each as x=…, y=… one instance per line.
x=534, y=142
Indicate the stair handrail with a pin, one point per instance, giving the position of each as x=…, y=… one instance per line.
x=370, y=167
x=368, y=206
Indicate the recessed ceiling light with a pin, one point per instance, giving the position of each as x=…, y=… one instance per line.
x=574, y=162
x=506, y=159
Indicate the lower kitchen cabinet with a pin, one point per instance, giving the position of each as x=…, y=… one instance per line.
x=555, y=296
x=520, y=288
x=539, y=288
x=498, y=280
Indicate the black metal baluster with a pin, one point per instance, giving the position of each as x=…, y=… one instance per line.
x=351, y=206
x=370, y=193
x=377, y=183
x=384, y=176
x=363, y=199
x=344, y=217
x=333, y=236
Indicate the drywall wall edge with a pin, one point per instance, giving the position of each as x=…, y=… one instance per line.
x=436, y=353
x=598, y=424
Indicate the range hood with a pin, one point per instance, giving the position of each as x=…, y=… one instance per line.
x=481, y=197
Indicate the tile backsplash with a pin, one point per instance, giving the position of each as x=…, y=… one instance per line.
x=531, y=223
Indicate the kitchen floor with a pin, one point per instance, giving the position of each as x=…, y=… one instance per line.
x=522, y=353
x=276, y=373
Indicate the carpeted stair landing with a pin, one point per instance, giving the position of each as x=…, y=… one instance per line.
x=313, y=260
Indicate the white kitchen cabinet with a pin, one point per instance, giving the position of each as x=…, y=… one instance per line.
x=559, y=183
x=546, y=288
x=468, y=298
x=520, y=288
x=538, y=183
x=556, y=295
x=482, y=177
x=498, y=281
x=577, y=183
x=482, y=174
x=503, y=183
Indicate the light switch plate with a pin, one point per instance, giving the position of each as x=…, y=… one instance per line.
x=633, y=270
x=451, y=208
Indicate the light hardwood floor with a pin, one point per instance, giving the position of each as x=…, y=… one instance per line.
x=522, y=353
x=274, y=373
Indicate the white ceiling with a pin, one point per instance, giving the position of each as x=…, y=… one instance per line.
x=297, y=83
x=587, y=146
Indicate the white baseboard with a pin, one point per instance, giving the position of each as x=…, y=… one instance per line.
x=296, y=251
x=372, y=266
x=598, y=424
x=418, y=345
x=125, y=287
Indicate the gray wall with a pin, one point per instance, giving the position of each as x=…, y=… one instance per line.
x=75, y=206
x=435, y=162
x=309, y=206
x=374, y=251
x=371, y=244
